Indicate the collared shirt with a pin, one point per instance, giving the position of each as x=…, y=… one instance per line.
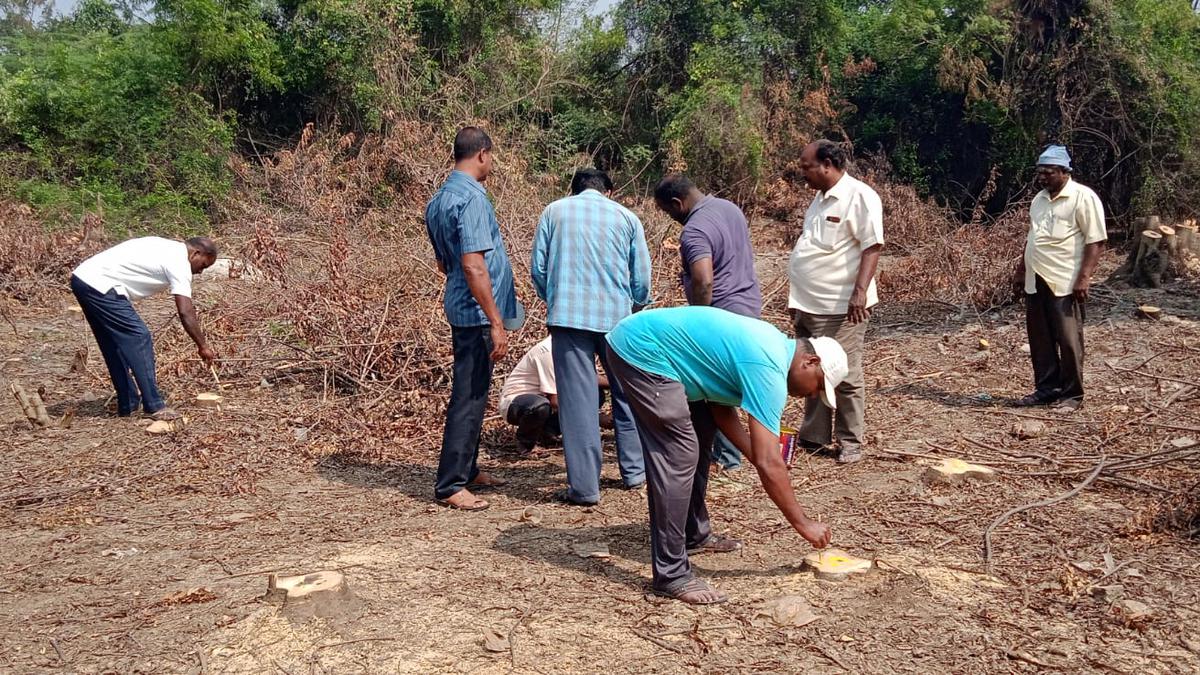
x=139, y=268
x=533, y=374
x=1059, y=228
x=460, y=220
x=716, y=228
x=717, y=356
x=590, y=262
x=839, y=225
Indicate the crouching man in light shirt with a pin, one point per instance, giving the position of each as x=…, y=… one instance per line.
x=832, y=289
x=105, y=284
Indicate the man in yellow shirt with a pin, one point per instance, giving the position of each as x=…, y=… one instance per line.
x=1066, y=235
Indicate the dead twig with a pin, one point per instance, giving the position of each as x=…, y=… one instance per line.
x=987, y=534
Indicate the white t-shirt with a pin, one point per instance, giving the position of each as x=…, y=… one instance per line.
x=838, y=226
x=139, y=268
x=533, y=374
x=1058, y=231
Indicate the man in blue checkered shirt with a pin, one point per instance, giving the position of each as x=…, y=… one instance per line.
x=591, y=266
x=480, y=305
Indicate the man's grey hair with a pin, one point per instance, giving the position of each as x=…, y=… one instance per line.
x=804, y=346
x=203, y=244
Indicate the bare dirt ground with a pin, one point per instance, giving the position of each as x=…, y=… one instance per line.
x=125, y=552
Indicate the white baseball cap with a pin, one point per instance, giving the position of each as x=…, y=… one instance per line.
x=833, y=364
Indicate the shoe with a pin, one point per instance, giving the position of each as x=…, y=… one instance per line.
x=564, y=496
x=1068, y=404
x=850, y=454
x=1035, y=399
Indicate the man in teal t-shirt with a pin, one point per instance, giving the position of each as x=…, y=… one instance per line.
x=674, y=363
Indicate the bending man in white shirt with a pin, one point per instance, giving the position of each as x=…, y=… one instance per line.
x=105, y=284
x=529, y=399
x=832, y=288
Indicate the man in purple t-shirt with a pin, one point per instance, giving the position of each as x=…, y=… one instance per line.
x=717, y=261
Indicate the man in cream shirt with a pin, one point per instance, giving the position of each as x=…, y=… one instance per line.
x=1066, y=234
x=832, y=289
x=106, y=283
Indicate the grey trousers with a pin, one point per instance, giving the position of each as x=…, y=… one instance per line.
x=1055, y=327
x=574, y=352
x=673, y=433
x=821, y=424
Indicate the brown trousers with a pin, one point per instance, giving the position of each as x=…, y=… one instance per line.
x=820, y=423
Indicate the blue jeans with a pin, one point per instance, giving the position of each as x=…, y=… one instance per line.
x=126, y=345
x=464, y=415
x=725, y=453
x=575, y=353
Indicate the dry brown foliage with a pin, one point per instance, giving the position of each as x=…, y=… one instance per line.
x=36, y=260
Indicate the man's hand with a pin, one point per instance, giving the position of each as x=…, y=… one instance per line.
x=207, y=353
x=817, y=533
x=499, y=342
x=1080, y=290
x=856, y=311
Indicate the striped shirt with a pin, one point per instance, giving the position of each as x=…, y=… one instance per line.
x=460, y=220
x=590, y=262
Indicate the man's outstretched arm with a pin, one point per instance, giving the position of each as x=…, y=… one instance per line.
x=191, y=324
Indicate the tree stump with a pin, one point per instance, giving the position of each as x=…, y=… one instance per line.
x=1149, y=312
x=208, y=400
x=956, y=471
x=1187, y=234
x=1151, y=260
x=835, y=565
x=324, y=594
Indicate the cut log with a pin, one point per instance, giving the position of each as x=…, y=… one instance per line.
x=1149, y=312
x=1186, y=235
x=323, y=593
x=1151, y=261
x=206, y=399
x=31, y=405
x=835, y=564
x=954, y=471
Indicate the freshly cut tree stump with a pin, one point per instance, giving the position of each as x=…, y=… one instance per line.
x=1149, y=312
x=166, y=426
x=954, y=471
x=206, y=399
x=1151, y=261
x=835, y=564
x=1186, y=235
x=324, y=593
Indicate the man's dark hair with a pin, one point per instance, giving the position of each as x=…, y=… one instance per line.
x=470, y=141
x=805, y=347
x=590, y=179
x=673, y=186
x=828, y=151
x=203, y=244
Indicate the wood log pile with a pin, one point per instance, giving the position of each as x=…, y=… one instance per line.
x=1162, y=253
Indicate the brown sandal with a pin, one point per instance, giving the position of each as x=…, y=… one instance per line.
x=468, y=503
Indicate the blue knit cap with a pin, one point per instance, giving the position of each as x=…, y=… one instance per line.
x=1055, y=155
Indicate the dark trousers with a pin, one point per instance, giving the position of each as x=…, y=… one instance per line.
x=676, y=437
x=464, y=414
x=532, y=415
x=1055, y=326
x=126, y=345
x=575, y=353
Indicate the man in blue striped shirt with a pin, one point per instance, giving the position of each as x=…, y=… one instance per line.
x=479, y=301
x=591, y=266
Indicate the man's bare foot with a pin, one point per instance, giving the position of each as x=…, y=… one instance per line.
x=463, y=500
x=694, y=591
x=487, y=480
